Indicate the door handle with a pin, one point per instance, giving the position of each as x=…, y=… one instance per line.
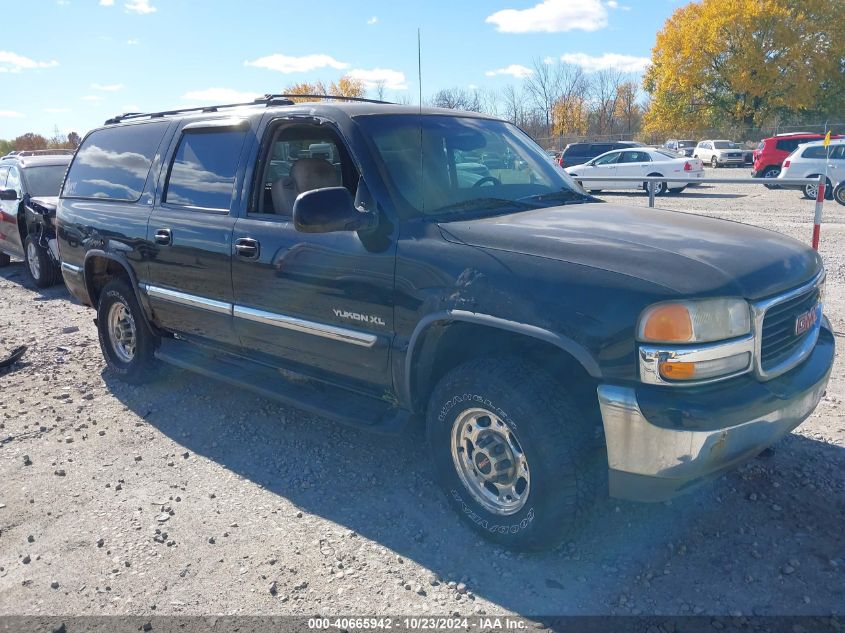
x=163, y=236
x=247, y=247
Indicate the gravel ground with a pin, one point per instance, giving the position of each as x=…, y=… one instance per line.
x=190, y=497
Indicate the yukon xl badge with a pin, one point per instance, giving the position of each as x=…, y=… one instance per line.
x=806, y=321
x=356, y=316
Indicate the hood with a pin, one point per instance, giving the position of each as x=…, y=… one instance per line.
x=688, y=254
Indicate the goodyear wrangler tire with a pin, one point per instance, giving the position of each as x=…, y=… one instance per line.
x=126, y=341
x=512, y=452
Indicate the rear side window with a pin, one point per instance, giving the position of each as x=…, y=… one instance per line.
x=789, y=145
x=816, y=151
x=579, y=149
x=203, y=171
x=113, y=163
x=595, y=150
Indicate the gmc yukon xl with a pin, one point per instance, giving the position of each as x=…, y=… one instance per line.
x=341, y=257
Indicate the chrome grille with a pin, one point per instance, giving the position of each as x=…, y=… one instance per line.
x=779, y=348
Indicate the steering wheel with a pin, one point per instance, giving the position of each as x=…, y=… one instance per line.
x=484, y=179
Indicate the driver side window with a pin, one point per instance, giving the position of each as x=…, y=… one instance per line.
x=609, y=159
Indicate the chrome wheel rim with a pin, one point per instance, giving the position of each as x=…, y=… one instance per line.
x=122, y=332
x=811, y=191
x=32, y=261
x=771, y=173
x=490, y=461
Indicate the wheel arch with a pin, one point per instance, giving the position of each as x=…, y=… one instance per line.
x=443, y=340
x=100, y=267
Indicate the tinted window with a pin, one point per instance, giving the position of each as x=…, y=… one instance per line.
x=597, y=149
x=816, y=151
x=203, y=170
x=634, y=157
x=838, y=152
x=608, y=159
x=788, y=146
x=579, y=149
x=4, y=171
x=113, y=162
x=45, y=180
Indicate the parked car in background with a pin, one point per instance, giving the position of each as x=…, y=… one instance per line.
x=812, y=160
x=772, y=151
x=719, y=153
x=683, y=147
x=642, y=161
x=29, y=185
x=580, y=153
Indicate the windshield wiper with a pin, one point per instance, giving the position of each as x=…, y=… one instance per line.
x=484, y=204
x=562, y=196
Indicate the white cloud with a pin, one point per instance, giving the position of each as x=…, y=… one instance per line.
x=14, y=63
x=92, y=98
x=514, y=70
x=140, y=6
x=11, y=114
x=552, y=16
x=108, y=87
x=373, y=20
x=220, y=95
x=592, y=63
x=613, y=4
x=392, y=79
x=56, y=110
x=106, y=3
x=62, y=3
x=291, y=64
x=133, y=41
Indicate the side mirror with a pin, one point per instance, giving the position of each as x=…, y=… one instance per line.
x=8, y=194
x=328, y=210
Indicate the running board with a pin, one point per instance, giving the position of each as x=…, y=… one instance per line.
x=333, y=403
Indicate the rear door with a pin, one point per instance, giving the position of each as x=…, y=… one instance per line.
x=321, y=303
x=836, y=164
x=189, y=277
x=10, y=236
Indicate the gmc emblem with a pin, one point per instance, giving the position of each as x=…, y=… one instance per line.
x=805, y=321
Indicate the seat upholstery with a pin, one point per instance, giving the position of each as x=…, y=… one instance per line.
x=305, y=174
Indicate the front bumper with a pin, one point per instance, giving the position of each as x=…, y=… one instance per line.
x=653, y=460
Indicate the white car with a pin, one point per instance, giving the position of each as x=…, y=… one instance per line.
x=719, y=153
x=812, y=160
x=638, y=162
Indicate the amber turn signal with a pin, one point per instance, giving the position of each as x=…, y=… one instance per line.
x=677, y=371
x=670, y=322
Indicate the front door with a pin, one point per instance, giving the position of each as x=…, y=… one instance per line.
x=10, y=236
x=320, y=303
x=633, y=163
x=189, y=281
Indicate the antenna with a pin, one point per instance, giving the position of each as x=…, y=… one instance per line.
x=419, y=81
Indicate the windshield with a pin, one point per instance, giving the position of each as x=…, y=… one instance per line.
x=456, y=166
x=45, y=180
x=725, y=145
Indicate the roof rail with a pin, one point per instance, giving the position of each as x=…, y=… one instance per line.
x=39, y=152
x=267, y=100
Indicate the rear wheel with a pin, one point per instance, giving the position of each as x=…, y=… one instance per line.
x=40, y=266
x=811, y=191
x=771, y=172
x=839, y=193
x=512, y=452
x=126, y=341
x=659, y=187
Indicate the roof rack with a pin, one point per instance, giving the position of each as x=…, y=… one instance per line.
x=267, y=100
x=39, y=152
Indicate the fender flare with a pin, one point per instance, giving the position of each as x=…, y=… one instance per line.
x=133, y=281
x=566, y=344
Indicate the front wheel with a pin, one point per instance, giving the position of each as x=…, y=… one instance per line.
x=812, y=191
x=512, y=452
x=126, y=341
x=42, y=270
x=714, y=163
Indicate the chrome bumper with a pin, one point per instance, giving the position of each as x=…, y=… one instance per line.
x=651, y=463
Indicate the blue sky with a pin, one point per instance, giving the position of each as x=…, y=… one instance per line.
x=73, y=63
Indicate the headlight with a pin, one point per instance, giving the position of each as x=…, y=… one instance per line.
x=701, y=321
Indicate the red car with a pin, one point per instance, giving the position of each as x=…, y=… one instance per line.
x=771, y=152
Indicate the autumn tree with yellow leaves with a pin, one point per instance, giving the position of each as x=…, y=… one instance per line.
x=746, y=63
x=346, y=86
